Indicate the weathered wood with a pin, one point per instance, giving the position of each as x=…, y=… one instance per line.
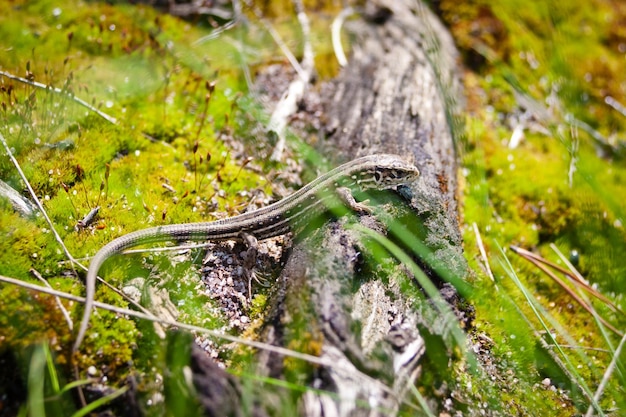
x=390, y=98
x=333, y=299
x=399, y=95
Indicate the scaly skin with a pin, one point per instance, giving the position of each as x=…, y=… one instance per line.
x=289, y=214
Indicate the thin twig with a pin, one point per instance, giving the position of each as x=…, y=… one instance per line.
x=335, y=30
x=83, y=103
x=39, y=205
x=66, y=314
x=583, y=303
x=216, y=33
x=277, y=38
x=590, y=130
x=615, y=104
x=238, y=18
x=483, y=253
x=573, y=150
x=572, y=274
x=252, y=343
x=288, y=104
x=70, y=257
x=591, y=348
x=573, y=270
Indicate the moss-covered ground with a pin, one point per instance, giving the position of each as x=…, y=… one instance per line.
x=169, y=158
x=543, y=168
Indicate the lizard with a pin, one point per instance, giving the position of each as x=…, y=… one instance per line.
x=291, y=214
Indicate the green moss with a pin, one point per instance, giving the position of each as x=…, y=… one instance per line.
x=174, y=101
x=110, y=340
x=541, y=66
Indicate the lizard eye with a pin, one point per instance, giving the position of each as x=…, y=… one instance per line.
x=378, y=176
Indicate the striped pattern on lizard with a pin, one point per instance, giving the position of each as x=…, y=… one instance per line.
x=291, y=214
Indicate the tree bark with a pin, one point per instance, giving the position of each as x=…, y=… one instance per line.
x=395, y=96
x=335, y=299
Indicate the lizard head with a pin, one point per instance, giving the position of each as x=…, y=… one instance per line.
x=392, y=170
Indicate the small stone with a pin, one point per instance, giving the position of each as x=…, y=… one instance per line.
x=546, y=382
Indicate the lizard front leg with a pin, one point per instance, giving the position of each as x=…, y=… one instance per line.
x=345, y=195
x=249, y=259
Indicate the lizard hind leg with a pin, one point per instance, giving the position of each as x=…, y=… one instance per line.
x=249, y=260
